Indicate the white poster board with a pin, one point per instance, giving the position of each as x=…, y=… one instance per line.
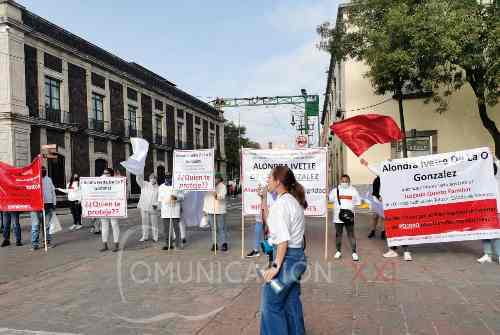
x=194, y=170
x=308, y=166
x=104, y=197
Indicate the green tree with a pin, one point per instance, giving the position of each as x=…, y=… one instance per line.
x=233, y=138
x=436, y=44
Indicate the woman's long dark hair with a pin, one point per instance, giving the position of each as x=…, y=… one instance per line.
x=285, y=176
x=72, y=179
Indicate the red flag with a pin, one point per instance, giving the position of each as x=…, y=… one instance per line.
x=360, y=132
x=21, y=188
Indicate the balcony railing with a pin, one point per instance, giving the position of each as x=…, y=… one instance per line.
x=54, y=115
x=97, y=125
x=160, y=140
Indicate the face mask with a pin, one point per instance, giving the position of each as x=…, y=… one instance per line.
x=344, y=185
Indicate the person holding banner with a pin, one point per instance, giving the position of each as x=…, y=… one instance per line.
x=50, y=201
x=215, y=205
x=148, y=204
x=170, y=202
x=281, y=313
x=344, y=197
x=491, y=247
x=74, y=198
x=11, y=218
x=105, y=222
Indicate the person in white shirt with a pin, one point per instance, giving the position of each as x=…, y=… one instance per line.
x=170, y=201
x=74, y=197
x=215, y=203
x=49, y=201
x=148, y=205
x=105, y=222
x=281, y=313
x=259, y=227
x=392, y=252
x=344, y=198
x=492, y=247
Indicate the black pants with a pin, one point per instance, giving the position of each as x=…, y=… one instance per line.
x=176, y=228
x=76, y=212
x=339, y=229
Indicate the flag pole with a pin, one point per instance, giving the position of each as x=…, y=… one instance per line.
x=44, y=230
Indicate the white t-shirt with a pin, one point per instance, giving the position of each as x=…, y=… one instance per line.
x=349, y=197
x=286, y=221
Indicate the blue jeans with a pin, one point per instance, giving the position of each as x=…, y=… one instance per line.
x=36, y=222
x=221, y=228
x=281, y=314
x=259, y=234
x=492, y=247
x=9, y=218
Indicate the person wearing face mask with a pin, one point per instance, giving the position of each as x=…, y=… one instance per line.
x=170, y=201
x=74, y=198
x=49, y=200
x=214, y=204
x=105, y=222
x=148, y=204
x=344, y=198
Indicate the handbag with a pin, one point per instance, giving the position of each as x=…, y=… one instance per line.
x=54, y=224
x=204, y=222
x=345, y=215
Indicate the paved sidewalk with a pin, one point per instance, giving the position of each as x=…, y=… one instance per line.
x=75, y=289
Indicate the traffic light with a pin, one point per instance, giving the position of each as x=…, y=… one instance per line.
x=49, y=151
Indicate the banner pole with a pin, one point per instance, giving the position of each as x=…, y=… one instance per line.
x=44, y=230
x=326, y=213
x=170, y=227
x=242, y=209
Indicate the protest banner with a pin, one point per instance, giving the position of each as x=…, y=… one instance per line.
x=440, y=198
x=193, y=170
x=308, y=166
x=21, y=188
x=104, y=197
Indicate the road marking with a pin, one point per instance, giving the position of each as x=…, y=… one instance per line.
x=7, y=331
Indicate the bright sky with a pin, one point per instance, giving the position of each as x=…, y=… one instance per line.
x=214, y=48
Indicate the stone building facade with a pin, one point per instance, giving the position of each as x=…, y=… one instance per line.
x=56, y=87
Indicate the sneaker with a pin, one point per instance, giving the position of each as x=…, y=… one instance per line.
x=407, y=256
x=485, y=259
x=355, y=257
x=252, y=254
x=224, y=247
x=165, y=248
x=390, y=254
x=184, y=241
x=372, y=234
x=78, y=227
x=382, y=235
x=337, y=255
x=5, y=243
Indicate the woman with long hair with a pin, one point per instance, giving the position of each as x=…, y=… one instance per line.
x=281, y=312
x=74, y=198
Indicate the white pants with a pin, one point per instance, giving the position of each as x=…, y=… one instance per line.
x=149, y=219
x=105, y=229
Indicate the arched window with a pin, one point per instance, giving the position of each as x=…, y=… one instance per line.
x=100, y=165
x=56, y=171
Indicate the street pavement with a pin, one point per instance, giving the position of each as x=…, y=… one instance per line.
x=75, y=289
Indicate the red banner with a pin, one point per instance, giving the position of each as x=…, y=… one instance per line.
x=21, y=188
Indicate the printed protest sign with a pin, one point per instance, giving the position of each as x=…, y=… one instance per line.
x=21, y=188
x=308, y=166
x=193, y=170
x=440, y=198
x=104, y=197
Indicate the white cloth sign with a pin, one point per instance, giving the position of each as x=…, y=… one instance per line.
x=308, y=166
x=440, y=198
x=104, y=197
x=193, y=170
x=135, y=163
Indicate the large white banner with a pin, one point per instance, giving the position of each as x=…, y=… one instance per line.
x=440, y=198
x=308, y=166
x=104, y=197
x=194, y=170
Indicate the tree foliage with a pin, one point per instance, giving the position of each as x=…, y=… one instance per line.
x=439, y=45
x=232, y=147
